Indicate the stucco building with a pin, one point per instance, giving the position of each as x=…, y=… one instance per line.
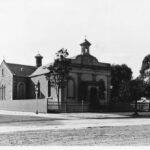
x=88, y=86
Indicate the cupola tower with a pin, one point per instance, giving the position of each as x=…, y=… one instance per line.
x=85, y=47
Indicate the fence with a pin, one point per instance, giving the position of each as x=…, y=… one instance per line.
x=80, y=106
x=68, y=106
x=143, y=107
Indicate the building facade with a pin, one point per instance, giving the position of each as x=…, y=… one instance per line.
x=88, y=85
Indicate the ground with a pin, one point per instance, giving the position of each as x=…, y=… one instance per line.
x=99, y=136
x=98, y=129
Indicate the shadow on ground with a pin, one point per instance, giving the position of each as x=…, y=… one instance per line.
x=73, y=116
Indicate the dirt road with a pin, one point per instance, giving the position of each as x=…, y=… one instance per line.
x=18, y=128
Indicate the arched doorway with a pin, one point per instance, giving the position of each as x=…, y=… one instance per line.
x=94, y=102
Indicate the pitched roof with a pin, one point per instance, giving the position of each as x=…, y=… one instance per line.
x=21, y=70
x=41, y=70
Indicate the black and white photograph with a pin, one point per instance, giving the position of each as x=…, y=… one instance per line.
x=74, y=73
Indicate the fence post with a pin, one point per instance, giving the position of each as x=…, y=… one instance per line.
x=82, y=105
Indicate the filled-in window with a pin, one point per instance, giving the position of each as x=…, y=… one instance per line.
x=21, y=90
x=70, y=88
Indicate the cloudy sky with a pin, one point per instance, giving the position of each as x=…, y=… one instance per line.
x=119, y=30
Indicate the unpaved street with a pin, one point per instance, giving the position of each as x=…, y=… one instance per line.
x=18, y=128
x=28, y=122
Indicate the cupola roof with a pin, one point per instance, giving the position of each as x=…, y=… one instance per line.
x=38, y=56
x=86, y=43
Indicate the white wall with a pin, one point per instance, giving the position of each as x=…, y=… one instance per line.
x=24, y=105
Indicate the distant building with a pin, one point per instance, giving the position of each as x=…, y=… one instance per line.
x=88, y=75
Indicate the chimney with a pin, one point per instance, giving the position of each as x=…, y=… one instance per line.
x=38, y=58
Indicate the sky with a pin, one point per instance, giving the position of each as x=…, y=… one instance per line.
x=119, y=30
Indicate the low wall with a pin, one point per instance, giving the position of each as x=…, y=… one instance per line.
x=28, y=105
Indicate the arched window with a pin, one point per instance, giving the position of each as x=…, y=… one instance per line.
x=49, y=88
x=70, y=88
x=21, y=90
x=2, y=72
x=2, y=92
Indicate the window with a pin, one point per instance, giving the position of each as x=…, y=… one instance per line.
x=2, y=72
x=49, y=88
x=21, y=90
x=2, y=92
x=70, y=88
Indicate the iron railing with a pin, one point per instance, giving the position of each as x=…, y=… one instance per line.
x=80, y=106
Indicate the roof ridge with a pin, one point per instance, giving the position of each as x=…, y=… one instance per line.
x=20, y=64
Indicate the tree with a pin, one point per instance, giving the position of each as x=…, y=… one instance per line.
x=120, y=74
x=124, y=93
x=59, y=71
x=147, y=90
x=145, y=74
x=132, y=91
x=145, y=66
